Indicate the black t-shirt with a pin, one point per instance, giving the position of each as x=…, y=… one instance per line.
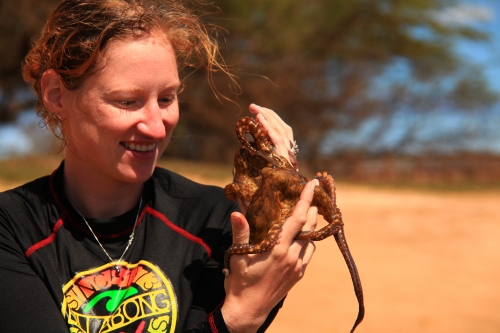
x=55, y=277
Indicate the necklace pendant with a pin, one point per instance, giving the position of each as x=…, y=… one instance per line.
x=131, y=238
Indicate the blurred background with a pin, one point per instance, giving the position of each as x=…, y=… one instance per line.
x=398, y=99
x=376, y=90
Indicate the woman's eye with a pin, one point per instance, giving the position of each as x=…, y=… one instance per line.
x=126, y=102
x=168, y=99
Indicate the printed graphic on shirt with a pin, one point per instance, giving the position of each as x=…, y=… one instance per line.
x=138, y=299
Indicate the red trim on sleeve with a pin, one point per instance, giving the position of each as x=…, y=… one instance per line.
x=179, y=230
x=45, y=241
x=211, y=321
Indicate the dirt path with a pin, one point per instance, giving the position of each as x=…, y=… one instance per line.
x=428, y=263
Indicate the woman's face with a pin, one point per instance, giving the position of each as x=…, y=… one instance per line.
x=121, y=119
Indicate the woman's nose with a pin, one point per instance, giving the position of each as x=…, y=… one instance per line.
x=151, y=123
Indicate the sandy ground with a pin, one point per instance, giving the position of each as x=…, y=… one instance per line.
x=428, y=263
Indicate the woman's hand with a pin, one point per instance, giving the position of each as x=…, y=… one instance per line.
x=280, y=133
x=258, y=282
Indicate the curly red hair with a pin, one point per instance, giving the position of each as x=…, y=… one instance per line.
x=78, y=31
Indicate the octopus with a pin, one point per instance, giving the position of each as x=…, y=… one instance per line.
x=268, y=187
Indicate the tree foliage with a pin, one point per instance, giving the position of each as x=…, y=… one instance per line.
x=321, y=64
x=20, y=22
x=326, y=65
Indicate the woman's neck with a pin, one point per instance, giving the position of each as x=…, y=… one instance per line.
x=96, y=196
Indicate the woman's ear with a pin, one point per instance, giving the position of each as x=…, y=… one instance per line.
x=53, y=90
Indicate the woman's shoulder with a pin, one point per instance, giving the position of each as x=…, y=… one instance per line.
x=185, y=195
x=34, y=192
x=184, y=201
x=181, y=186
x=25, y=211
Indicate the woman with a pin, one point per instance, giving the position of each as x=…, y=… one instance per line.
x=109, y=241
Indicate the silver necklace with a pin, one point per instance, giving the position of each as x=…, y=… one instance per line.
x=131, y=237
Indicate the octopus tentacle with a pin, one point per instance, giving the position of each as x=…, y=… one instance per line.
x=272, y=239
x=327, y=231
x=351, y=265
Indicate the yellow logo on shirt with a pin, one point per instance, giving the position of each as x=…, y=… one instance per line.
x=138, y=299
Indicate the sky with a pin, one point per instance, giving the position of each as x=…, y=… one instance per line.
x=25, y=136
x=474, y=131
x=485, y=14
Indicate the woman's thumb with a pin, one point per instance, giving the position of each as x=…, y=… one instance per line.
x=241, y=229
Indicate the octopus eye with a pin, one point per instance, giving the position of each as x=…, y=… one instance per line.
x=250, y=138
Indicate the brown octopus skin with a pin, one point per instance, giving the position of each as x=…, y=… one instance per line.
x=269, y=187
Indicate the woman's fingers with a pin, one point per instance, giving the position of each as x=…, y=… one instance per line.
x=299, y=219
x=306, y=254
x=303, y=250
x=241, y=229
x=258, y=282
x=241, y=235
x=280, y=133
x=312, y=219
x=272, y=119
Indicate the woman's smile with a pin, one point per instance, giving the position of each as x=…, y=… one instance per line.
x=139, y=147
x=121, y=119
